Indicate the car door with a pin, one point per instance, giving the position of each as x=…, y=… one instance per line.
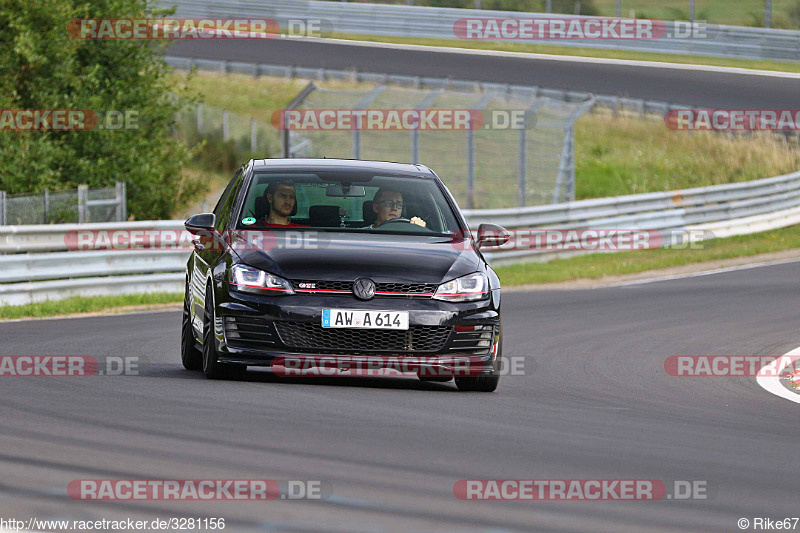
x=205, y=259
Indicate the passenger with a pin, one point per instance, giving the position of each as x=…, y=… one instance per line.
x=282, y=198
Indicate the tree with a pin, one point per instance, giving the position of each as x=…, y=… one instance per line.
x=43, y=67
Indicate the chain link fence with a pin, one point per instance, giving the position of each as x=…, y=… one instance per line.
x=501, y=163
x=230, y=137
x=63, y=207
x=518, y=151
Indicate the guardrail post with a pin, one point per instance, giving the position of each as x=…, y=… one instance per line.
x=253, y=146
x=523, y=168
x=414, y=146
x=46, y=205
x=199, y=117
x=569, y=189
x=124, y=202
x=294, y=104
x=225, y=126
x=357, y=141
x=120, y=198
x=768, y=13
x=2, y=208
x=83, y=196
x=470, y=168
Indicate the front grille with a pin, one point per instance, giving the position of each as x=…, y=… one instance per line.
x=407, y=288
x=249, y=332
x=424, y=290
x=307, y=336
x=472, y=342
x=325, y=285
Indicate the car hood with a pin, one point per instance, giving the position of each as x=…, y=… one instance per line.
x=330, y=256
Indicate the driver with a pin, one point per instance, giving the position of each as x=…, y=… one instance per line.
x=388, y=204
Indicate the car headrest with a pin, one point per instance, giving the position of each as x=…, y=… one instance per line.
x=262, y=207
x=367, y=212
x=324, y=215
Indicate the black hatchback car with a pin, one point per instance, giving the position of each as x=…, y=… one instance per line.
x=325, y=260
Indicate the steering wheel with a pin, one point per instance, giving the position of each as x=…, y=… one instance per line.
x=398, y=219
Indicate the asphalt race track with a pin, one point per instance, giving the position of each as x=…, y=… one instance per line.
x=690, y=87
x=595, y=403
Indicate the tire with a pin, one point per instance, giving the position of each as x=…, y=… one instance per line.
x=212, y=368
x=486, y=382
x=191, y=357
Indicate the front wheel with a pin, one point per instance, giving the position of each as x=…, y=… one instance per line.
x=485, y=382
x=191, y=357
x=212, y=368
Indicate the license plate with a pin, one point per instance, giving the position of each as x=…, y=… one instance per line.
x=348, y=318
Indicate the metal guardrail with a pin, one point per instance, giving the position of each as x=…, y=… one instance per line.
x=679, y=210
x=732, y=209
x=53, y=237
x=426, y=22
x=22, y=293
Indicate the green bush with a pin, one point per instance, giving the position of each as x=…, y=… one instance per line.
x=43, y=67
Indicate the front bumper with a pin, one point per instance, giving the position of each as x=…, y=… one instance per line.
x=255, y=330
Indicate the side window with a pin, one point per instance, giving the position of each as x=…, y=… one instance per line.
x=223, y=209
x=227, y=191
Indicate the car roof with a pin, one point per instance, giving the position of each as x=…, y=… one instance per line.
x=342, y=164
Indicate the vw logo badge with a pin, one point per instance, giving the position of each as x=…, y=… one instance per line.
x=364, y=289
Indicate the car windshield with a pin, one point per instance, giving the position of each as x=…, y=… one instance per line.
x=347, y=201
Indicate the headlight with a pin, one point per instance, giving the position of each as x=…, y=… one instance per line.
x=248, y=279
x=464, y=289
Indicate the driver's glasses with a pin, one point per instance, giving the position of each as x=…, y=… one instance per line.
x=390, y=204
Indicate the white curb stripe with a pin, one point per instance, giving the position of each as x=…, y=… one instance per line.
x=772, y=383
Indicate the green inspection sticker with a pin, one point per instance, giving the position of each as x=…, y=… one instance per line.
x=248, y=221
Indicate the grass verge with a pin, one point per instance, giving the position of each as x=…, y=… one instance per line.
x=96, y=304
x=619, y=156
x=596, y=266
x=733, y=12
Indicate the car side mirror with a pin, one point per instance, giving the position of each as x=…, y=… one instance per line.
x=491, y=235
x=201, y=224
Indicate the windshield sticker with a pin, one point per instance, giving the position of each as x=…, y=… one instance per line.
x=248, y=221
